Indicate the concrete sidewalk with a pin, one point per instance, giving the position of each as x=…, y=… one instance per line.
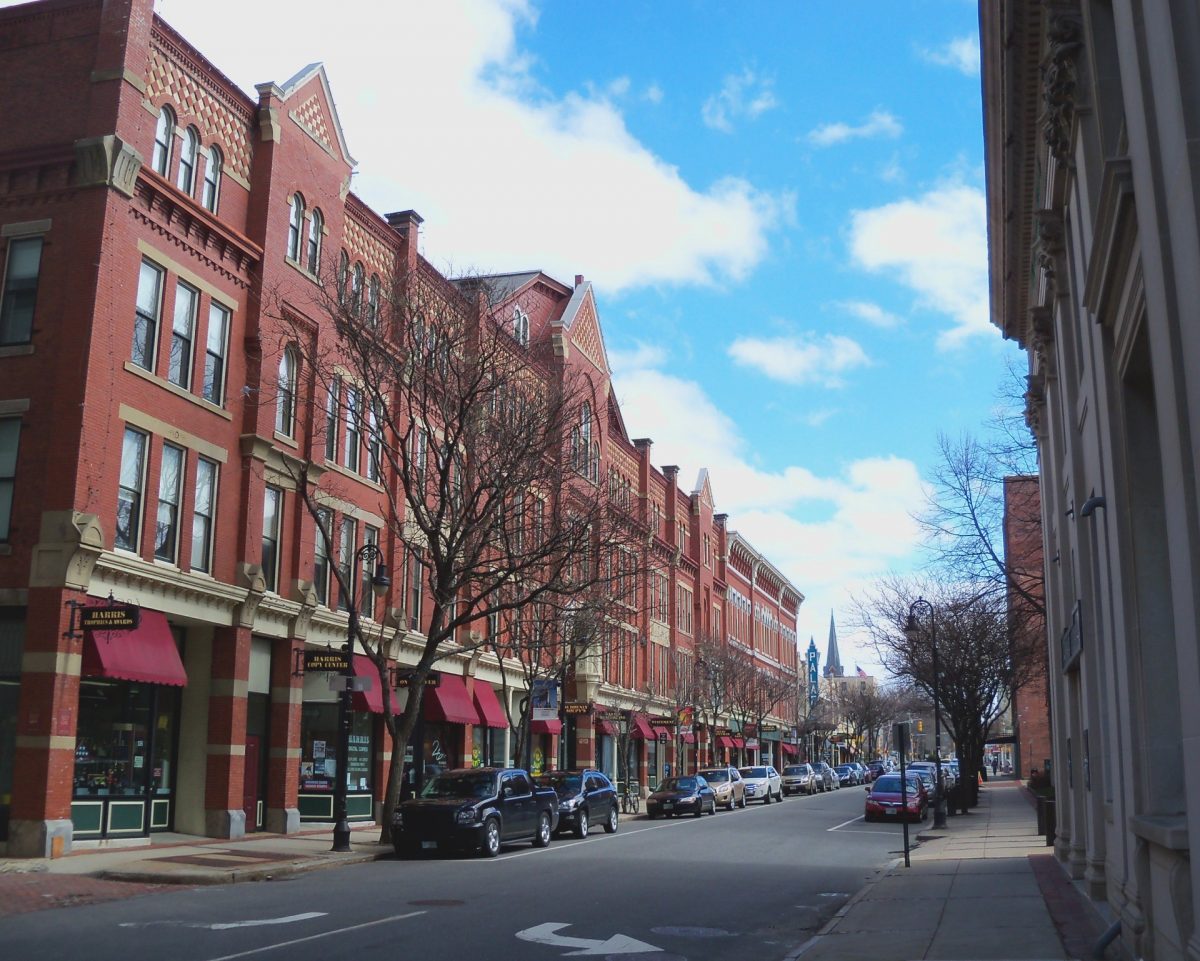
x=986, y=887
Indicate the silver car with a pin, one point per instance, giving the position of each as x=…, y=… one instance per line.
x=828, y=780
x=799, y=779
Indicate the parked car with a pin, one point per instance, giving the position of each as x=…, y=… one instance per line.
x=727, y=785
x=876, y=768
x=847, y=776
x=926, y=776
x=585, y=797
x=763, y=783
x=475, y=809
x=801, y=779
x=884, y=801
x=864, y=776
x=688, y=794
x=829, y=780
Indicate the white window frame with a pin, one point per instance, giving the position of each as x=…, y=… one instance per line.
x=216, y=352
x=295, y=227
x=189, y=155
x=204, y=515
x=210, y=193
x=270, y=536
x=285, y=402
x=170, y=497
x=131, y=488
x=183, y=335
x=148, y=316
x=164, y=141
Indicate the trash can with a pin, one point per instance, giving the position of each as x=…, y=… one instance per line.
x=1051, y=822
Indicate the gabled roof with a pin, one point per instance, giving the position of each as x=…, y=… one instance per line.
x=580, y=298
x=295, y=83
x=704, y=488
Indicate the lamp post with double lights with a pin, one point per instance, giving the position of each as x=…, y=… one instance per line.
x=379, y=587
x=912, y=631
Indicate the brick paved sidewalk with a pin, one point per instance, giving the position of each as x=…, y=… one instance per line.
x=38, y=891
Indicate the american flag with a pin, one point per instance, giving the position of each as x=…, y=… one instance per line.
x=861, y=672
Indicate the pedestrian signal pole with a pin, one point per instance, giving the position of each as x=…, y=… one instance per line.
x=900, y=734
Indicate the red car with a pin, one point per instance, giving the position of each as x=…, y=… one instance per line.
x=884, y=802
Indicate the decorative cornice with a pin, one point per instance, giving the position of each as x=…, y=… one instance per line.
x=1059, y=70
x=106, y=161
x=1048, y=248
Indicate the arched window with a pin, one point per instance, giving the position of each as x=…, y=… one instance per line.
x=356, y=290
x=521, y=327
x=594, y=472
x=212, y=179
x=186, y=179
x=575, y=460
x=343, y=276
x=295, y=227
x=285, y=406
x=164, y=135
x=585, y=439
x=316, y=231
x=373, y=301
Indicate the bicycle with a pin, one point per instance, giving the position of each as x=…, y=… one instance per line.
x=631, y=802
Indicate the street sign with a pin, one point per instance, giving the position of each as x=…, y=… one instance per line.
x=113, y=617
x=331, y=660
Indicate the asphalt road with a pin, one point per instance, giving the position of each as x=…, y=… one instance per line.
x=745, y=884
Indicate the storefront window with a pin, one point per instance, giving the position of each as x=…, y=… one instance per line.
x=112, y=741
x=487, y=747
x=318, y=757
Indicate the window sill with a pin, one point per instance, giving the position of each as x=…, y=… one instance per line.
x=16, y=350
x=347, y=472
x=302, y=270
x=287, y=441
x=1166, y=830
x=177, y=391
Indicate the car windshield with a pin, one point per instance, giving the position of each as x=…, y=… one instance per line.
x=563, y=783
x=474, y=785
x=753, y=771
x=794, y=769
x=843, y=769
x=678, y=784
x=715, y=777
x=890, y=784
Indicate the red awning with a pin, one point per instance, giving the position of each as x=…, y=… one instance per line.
x=147, y=653
x=372, y=698
x=606, y=727
x=688, y=737
x=737, y=742
x=488, y=705
x=449, y=701
x=790, y=749
x=640, y=727
x=661, y=733
x=546, y=727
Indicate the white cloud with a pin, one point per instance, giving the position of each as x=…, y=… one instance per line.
x=873, y=314
x=818, y=418
x=653, y=94
x=638, y=357
x=936, y=245
x=879, y=124
x=742, y=95
x=961, y=53
x=831, y=536
x=477, y=127
x=800, y=360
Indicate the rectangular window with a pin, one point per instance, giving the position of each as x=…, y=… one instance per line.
x=145, y=322
x=366, y=603
x=20, y=290
x=272, y=506
x=321, y=556
x=214, y=354
x=415, y=590
x=346, y=561
x=374, y=442
x=170, y=483
x=129, y=491
x=420, y=455
x=203, y=513
x=179, y=368
x=10, y=438
x=350, y=448
x=333, y=413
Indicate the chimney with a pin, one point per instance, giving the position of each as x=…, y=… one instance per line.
x=579, y=280
x=407, y=224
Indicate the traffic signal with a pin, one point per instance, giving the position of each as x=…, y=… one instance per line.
x=920, y=727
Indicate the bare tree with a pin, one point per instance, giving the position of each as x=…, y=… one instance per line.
x=980, y=661
x=867, y=710
x=714, y=666
x=755, y=693
x=468, y=439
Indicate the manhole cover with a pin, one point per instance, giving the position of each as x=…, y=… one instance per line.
x=438, y=903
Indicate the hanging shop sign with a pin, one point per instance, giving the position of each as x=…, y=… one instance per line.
x=403, y=679
x=112, y=617
x=576, y=707
x=544, y=699
x=338, y=661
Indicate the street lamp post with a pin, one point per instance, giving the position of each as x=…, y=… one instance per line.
x=911, y=631
x=379, y=586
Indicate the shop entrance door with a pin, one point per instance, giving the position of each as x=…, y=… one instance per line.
x=250, y=797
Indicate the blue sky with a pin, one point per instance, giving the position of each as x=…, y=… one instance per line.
x=781, y=206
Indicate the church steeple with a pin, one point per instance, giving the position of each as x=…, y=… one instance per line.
x=833, y=661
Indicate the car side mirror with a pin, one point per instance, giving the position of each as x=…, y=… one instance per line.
x=868, y=789
x=507, y=790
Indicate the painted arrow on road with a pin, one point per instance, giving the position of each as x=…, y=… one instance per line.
x=617, y=944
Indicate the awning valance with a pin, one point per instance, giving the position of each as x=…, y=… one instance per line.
x=737, y=743
x=546, y=727
x=147, y=653
x=606, y=727
x=372, y=698
x=640, y=727
x=449, y=701
x=724, y=741
x=488, y=705
x=688, y=737
x=661, y=733
x=790, y=749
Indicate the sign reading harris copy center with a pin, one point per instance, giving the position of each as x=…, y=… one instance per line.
x=338, y=661
x=115, y=617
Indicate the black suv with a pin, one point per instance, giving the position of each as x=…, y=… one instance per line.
x=585, y=797
x=475, y=809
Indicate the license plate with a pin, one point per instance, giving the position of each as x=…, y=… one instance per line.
x=667, y=806
x=890, y=811
x=429, y=844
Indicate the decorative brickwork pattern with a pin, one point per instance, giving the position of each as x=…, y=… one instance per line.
x=585, y=334
x=311, y=116
x=174, y=79
x=362, y=245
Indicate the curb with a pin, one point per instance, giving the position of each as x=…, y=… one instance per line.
x=191, y=878
x=830, y=925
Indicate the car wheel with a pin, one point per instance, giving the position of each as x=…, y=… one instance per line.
x=610, y=826
x=491, y=838
x=581, y=824
x=542, y=837
x=650, y=816
x=742, y=803
x=699, y=809
x=712, y=808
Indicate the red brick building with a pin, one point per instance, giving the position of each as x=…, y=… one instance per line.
x=1032, y=744
x=154, y=223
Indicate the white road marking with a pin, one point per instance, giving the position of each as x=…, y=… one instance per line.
x=617, y=944
x=844, y=823
x=225, y=925
x=315, y=937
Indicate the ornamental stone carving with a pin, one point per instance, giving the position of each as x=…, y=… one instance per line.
x=1048, y=247
x=107, y=161
x=1041, y=323
x=1035, y=406
x=1059, y=70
